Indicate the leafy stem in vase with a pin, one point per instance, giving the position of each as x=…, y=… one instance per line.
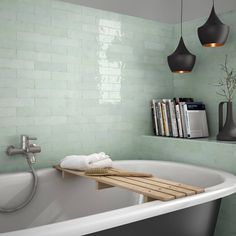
x=227, y=85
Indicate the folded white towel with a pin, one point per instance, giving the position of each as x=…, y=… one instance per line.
x=84, y=162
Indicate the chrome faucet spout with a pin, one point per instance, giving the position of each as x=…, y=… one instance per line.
x=30, y=157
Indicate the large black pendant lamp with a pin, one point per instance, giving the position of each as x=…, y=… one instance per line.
x=213, y=33
x=181, y=60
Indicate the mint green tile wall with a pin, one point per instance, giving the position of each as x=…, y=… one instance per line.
x=77, y=78
x=201, y=83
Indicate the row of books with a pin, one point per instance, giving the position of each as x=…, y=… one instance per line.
x=179, y=117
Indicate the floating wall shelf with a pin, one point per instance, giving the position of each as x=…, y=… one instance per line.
x=208, y=140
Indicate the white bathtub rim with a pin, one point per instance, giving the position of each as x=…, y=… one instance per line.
x=118, y=217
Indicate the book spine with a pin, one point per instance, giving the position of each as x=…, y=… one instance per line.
x=168, y=112
x=160, y=117
x=179, y=122
x=205, y=124
x=153, y=107
x=165, y=119
x=181, y=104
x=173, y=119
x=187, y=120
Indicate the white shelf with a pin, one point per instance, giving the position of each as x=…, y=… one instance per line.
x=208, y=140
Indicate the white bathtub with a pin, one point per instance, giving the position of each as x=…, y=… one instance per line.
x=73, y=206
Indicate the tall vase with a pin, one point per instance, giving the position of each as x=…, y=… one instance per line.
x=227, y=132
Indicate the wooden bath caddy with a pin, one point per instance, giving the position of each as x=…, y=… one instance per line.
x=152, y=188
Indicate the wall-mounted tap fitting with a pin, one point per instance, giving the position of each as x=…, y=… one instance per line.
x=27, y=149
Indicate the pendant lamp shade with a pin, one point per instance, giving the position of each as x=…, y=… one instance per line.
x=181, y=60
x=213, y=33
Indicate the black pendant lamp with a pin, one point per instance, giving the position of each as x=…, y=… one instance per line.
x=181, y=60
x=213, y=33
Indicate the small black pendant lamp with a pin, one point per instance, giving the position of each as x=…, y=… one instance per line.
x=213, y=33
x=181, y=60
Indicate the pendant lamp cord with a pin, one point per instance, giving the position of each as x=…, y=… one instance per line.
x=182, y=17
x=213, y=2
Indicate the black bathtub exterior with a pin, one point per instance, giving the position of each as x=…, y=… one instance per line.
x=198, y=220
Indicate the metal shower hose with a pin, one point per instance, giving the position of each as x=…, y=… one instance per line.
x=31, y=195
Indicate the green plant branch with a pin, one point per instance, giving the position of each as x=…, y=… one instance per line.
x=227, y=85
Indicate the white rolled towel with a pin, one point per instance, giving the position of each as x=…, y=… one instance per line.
x=84, y=162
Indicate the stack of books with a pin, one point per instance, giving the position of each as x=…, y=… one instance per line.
x=179, y=117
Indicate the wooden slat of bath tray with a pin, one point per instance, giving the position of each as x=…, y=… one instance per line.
x=151, y=188
x=187, y=189
x=138, y=183
x=174, y=186
x=144, y=182
x=182, y=188
x=163, y=185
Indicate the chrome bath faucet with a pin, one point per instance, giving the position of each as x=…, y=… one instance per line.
x=27, y=149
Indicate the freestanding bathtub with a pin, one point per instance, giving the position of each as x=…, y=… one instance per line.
x=73, y=207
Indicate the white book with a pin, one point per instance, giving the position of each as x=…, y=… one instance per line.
x=173, y=119
x=196, y=123
x=178, y=117
x=185, y=108
x=181, y=104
